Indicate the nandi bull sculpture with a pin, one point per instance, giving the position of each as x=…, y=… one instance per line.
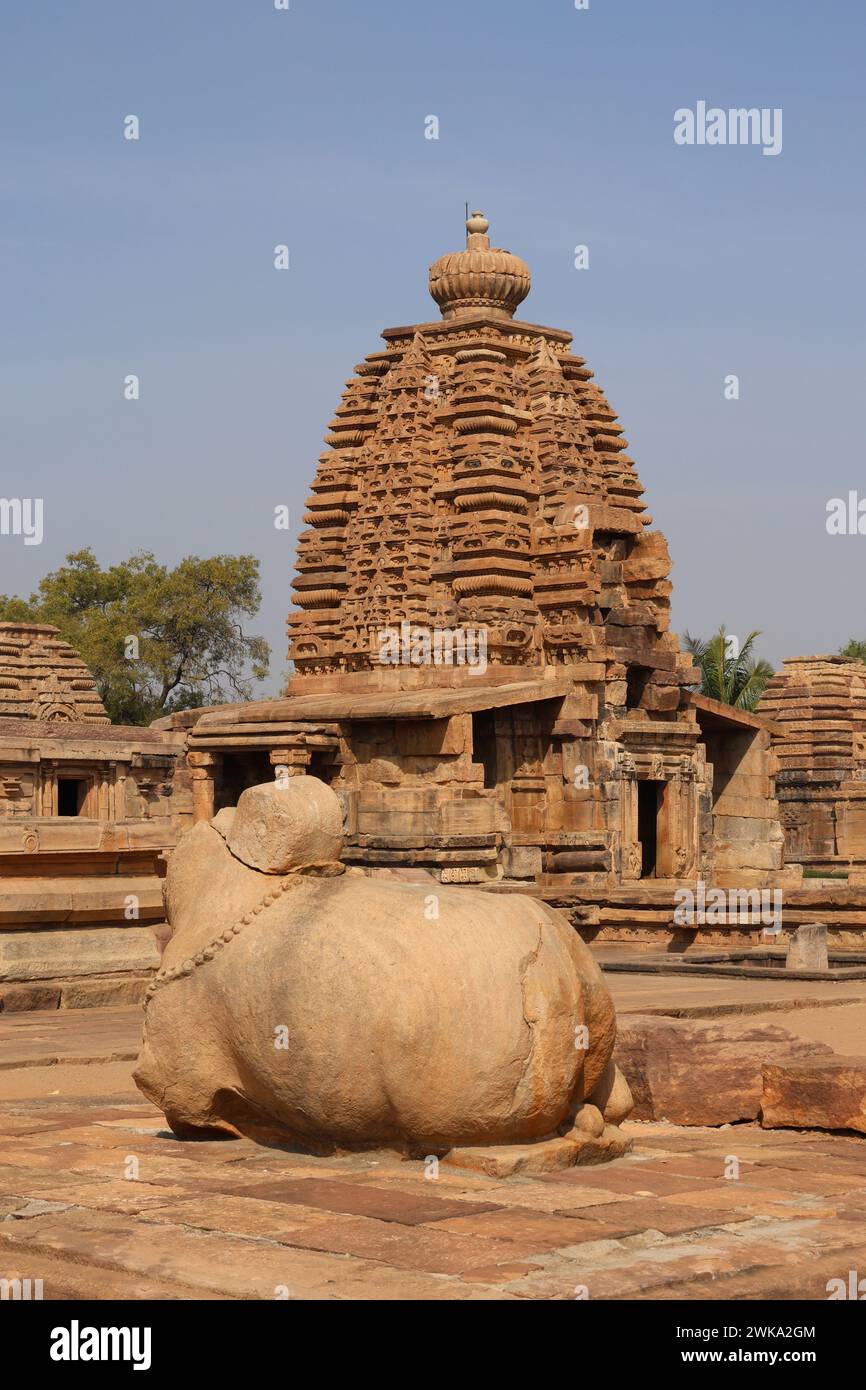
x=341, y=1010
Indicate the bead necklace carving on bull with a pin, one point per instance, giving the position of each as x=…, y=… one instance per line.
x=340, y=1010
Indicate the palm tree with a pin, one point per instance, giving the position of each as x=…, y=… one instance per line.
x=735, y=677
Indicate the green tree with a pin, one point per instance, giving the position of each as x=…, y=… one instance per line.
x=730, y=673
x=854, y=650
x=155, y=639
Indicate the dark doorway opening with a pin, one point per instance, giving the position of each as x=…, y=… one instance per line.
x=239, y=771
x=648, y=802
x=322, y=765
x=484, y=744
x=71, y=795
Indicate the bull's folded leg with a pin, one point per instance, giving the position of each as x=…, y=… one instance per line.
x=184, y=1130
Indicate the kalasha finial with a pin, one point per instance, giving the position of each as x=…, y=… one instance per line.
x=477, y=227
x=481, y=278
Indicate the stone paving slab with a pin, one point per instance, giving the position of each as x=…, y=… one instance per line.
x=67, y=1279
x=211, y=1263
x=357, y=1199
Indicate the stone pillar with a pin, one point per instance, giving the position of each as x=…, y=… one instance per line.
x=630, y=845
x=294, y=759
x=677, y=828
x=48, y=789
x=667, y=830
x=104, y=799
x=201, y=766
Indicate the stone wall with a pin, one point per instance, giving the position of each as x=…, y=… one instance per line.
x=747, y=834
x=87, y=813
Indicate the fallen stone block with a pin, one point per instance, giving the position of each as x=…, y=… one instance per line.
x=815, y=1093
x=695, y=1073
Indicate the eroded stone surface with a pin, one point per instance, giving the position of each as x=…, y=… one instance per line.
x=278, y=826
x=819, y=1093
x=807, y=948
x=48, y=954
x=696, y=1073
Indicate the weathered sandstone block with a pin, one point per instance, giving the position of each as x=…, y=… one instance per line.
x=696, y=1073
x=522, y=861
x=815, y=1093
x=807, y=949
x=49, y=955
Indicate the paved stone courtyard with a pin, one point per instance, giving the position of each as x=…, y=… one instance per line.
x=99, y=1200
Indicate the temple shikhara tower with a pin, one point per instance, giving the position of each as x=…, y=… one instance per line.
x=818, y=704
x=483, y=665
x=42, y=677
x=477, y=479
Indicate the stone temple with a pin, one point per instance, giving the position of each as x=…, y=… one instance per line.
x=818, y=704
x=87, y=809
x=484, y=669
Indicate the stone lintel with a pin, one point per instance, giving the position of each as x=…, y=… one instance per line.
x=343, y=707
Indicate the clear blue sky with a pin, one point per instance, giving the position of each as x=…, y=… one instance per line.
x=260, y=127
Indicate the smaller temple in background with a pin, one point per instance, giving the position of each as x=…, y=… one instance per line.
x=87, y=809
x=43, y=678
x=818, y=705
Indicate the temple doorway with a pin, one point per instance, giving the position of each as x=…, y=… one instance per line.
x=72, y=794
x=322, y=765
x=484, y=744
x=649, y=801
